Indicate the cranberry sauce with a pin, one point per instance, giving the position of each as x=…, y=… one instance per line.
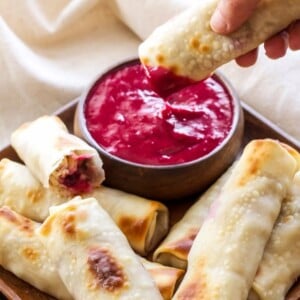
x=130, y=120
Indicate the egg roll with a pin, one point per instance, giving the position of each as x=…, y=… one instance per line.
x=280, y=265
x=187, y=46
x=226, y=253
x=57, y=158
x=166, y=278
x=92, y=255
x=23, y=254
x=144, y=222
x=174, y=249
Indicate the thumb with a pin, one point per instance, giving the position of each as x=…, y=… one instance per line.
x=231, y=14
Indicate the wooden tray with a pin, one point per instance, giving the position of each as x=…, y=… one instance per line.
x=256, y=126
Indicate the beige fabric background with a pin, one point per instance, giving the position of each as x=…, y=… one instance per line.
x=51, y=50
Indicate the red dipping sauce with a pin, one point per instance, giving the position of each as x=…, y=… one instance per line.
x=130, y=120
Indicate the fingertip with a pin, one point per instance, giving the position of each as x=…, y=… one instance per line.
x=218, y=23
x=276, y=46
x=231, y=14
x=247, y=59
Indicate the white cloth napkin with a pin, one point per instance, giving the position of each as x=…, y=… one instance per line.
x=50, y=51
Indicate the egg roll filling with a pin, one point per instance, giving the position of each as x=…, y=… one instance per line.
x=76, y=173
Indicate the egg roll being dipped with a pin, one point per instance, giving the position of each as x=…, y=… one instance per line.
x=174, y=249
x=57, y=158
x=92, y=255
x=187, y=46
x=23, y=254
x=229, y=246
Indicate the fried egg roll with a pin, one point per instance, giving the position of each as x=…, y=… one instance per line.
x=57, y=158
x=144, y=222
x=228, y=248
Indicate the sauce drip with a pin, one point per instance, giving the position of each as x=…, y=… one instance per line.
x=164, y=82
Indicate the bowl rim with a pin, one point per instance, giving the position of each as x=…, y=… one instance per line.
x=237, y=115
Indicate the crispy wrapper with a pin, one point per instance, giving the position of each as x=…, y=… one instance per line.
x=144, y=222
x=166, y=278
x=174, y=249
x=227, y=251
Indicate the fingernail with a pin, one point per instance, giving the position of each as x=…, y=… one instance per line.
x=218, y=23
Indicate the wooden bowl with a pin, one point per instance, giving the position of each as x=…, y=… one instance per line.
x=166, y=182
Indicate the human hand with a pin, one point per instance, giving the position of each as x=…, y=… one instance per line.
x=231, y=14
